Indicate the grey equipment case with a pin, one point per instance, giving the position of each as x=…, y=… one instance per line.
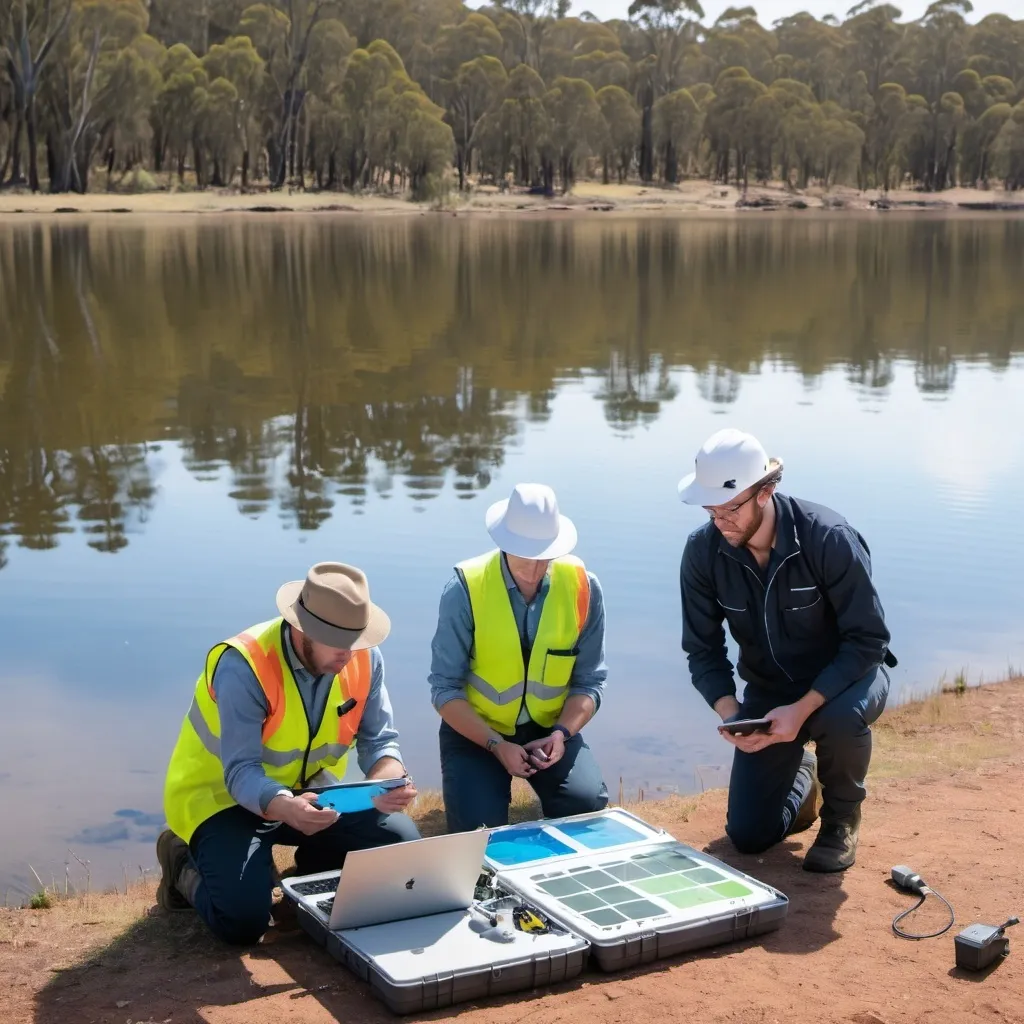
x=431, y=962
x=643, y=898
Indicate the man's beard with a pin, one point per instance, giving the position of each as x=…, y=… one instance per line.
x=306, y=656
x=743, y=539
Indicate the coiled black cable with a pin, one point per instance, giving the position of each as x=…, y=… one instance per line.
x=925, y=892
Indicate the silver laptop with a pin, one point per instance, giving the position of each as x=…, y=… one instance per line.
x=395, y=882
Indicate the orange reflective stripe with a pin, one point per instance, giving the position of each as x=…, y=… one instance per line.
x=356, y=677
x=582, y=598
x=270, y=674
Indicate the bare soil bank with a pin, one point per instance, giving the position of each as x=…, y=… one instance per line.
x=587, y=198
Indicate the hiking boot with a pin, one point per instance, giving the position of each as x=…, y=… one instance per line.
x=835, y=849
x=807, y=814
x=172, y=854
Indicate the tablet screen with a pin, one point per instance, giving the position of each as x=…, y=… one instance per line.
x=352, y=797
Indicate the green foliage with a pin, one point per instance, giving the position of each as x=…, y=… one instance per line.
x=40, y=900
x=392, y=93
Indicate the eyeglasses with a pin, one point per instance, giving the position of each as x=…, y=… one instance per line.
x=732, y=511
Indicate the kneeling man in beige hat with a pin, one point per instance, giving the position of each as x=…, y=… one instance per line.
x=274, y=706
x=518, y=668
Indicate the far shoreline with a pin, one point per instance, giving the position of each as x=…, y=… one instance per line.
x=588, y=199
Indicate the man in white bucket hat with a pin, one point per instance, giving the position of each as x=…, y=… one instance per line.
x=518, y=668
x=793, y=581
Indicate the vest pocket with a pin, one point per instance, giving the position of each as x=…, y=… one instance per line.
x=557, y=670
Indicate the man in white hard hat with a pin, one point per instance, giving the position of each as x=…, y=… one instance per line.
x=793, y=581
x=518, y=668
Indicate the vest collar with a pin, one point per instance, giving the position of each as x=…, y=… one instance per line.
x=510, y=583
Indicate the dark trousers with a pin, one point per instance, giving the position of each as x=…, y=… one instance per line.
x=766, y=790
x=233, y=853
x=477, y=789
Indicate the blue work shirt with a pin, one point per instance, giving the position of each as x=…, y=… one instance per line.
x=243, y=710
x=452, y=645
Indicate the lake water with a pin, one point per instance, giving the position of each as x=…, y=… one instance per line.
x=192, y=411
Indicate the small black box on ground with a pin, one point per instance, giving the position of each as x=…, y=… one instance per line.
x=980, y=945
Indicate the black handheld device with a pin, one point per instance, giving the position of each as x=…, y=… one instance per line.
x=980, y=945
x=746, y=726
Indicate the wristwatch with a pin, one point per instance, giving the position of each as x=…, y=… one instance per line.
x=563, y=730
x=492, y=743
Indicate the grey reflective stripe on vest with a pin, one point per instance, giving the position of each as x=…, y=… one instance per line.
x=542, y=691
x=274, y=758
x=335, y=750
x=206, y=737
x=499, y=697
x=280, y=758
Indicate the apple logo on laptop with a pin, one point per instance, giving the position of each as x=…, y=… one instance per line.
x=410, y=883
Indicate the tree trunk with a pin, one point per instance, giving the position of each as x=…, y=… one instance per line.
x=51, y=163
x=647, y=138
x=245, y=169
x=158, y=152
x=15, y=178
x=82, y=164
x=671, y=172
x=33, y=156
x=604, y=169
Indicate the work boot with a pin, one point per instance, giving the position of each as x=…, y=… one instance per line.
x=835, y=849
x=178, y=879
x=807, y=813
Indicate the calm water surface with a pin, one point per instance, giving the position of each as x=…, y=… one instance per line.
x=193, y=411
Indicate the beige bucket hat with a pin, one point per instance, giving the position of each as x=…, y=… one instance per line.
x=332, y=606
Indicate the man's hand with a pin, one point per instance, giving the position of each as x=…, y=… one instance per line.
x=297, y=810
x=394, y=800
x=547, y=750
x=514, y=759
x=787, y=721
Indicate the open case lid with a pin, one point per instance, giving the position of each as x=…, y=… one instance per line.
x=559, y=840
x=588, y=873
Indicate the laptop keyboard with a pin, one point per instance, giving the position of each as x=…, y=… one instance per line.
x=326, y=905
x=313, y=888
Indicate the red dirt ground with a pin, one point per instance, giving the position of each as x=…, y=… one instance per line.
x=835, y=958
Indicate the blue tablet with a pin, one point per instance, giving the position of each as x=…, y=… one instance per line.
x=351, y=797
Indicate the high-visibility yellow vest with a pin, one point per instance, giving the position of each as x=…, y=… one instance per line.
x=195, y=789
x=500, y=680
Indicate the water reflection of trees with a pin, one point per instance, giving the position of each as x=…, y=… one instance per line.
x=310, y=361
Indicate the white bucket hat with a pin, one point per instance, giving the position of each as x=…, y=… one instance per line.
x=528, y=524
x=727, y=464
